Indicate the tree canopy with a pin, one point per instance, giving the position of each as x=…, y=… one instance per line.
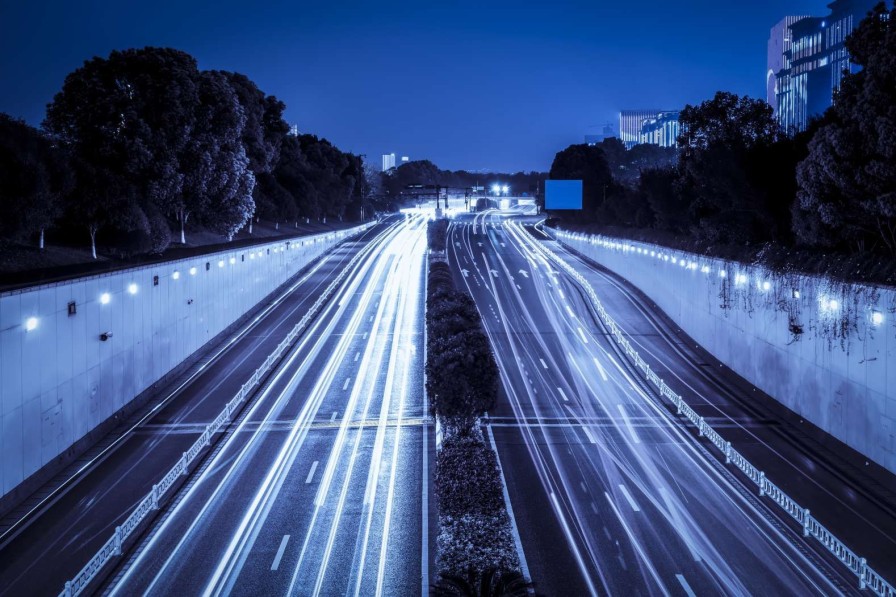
x=847, y=182
x=143, y=140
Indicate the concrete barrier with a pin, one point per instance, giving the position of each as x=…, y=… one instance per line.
x=74, y=353
x=825, y=349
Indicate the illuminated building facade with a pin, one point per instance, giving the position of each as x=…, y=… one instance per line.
x=813, y=64
x=661, y=129
x=658, y=127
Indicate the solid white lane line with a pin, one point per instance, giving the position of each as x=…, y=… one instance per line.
x=347, y=381
x=588, y=433
x=685, y=585
x=600, y=369
x=277, y=558
x=629, y=498
x=524, y=566
x=311, y=473
x=628, y=424
x=543, y=364
x=582, y=334
x=563, y=395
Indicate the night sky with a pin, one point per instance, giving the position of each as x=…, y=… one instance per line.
x=498, y=88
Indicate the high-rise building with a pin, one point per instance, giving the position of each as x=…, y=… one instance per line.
x=662, y=125
x=778, y=47
x=813, y=64
x=388, y=161
x=661, y=129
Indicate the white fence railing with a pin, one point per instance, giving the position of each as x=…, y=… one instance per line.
x=868, y=578
x=150, y=503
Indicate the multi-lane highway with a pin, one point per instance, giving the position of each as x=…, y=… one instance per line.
x=319, y=484
x=637, y=504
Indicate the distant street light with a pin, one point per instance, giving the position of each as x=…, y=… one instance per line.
x=506, y=189
x=496, y=189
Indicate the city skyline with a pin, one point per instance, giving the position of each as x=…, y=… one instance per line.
x=371, y=78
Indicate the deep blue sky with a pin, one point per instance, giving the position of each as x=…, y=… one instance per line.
x=503, y=87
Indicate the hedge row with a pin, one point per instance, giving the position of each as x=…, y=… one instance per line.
x=475, y=541
x=461, y=372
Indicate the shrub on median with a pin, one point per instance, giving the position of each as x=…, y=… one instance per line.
x=437, y=234
x=467, y=478
x=476, y=542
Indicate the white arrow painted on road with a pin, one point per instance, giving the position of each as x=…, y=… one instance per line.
x=494, y=272
x=465, y=272
x=525, y=273
x=478, y=243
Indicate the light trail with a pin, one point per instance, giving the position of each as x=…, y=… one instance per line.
x=389, y=351
x=621, y=460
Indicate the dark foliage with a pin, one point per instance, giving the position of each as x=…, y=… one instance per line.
x=489, y=583
x=392, y=184
x=847, y=183
x=585, y=163
x=467, y=478
x=34, y=179
x=462, y=375
x=143, y=140
x=437, y=234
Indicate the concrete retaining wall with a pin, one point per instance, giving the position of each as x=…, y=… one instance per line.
x=824, y=349
x=59, y=379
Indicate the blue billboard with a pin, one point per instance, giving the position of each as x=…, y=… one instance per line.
x=563, y=194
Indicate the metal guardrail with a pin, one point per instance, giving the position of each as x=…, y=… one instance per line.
x=150, y=503
x=868, y=578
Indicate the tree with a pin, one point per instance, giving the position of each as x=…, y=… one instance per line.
x=847, y=182
x=218, y=183
x=129, y=119
x=585, y=163
x=35, y=178
x=727, y=121
x=723, y=143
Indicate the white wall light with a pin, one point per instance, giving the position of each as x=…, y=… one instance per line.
x=175, y=275
x=105, y=298
x=132, y=288
x=877, y=318
x=31, y=324
x=192, y=271
x=221, y=263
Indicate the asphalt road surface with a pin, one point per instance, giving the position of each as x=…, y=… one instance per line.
x=611, y=493
x=317, y=485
